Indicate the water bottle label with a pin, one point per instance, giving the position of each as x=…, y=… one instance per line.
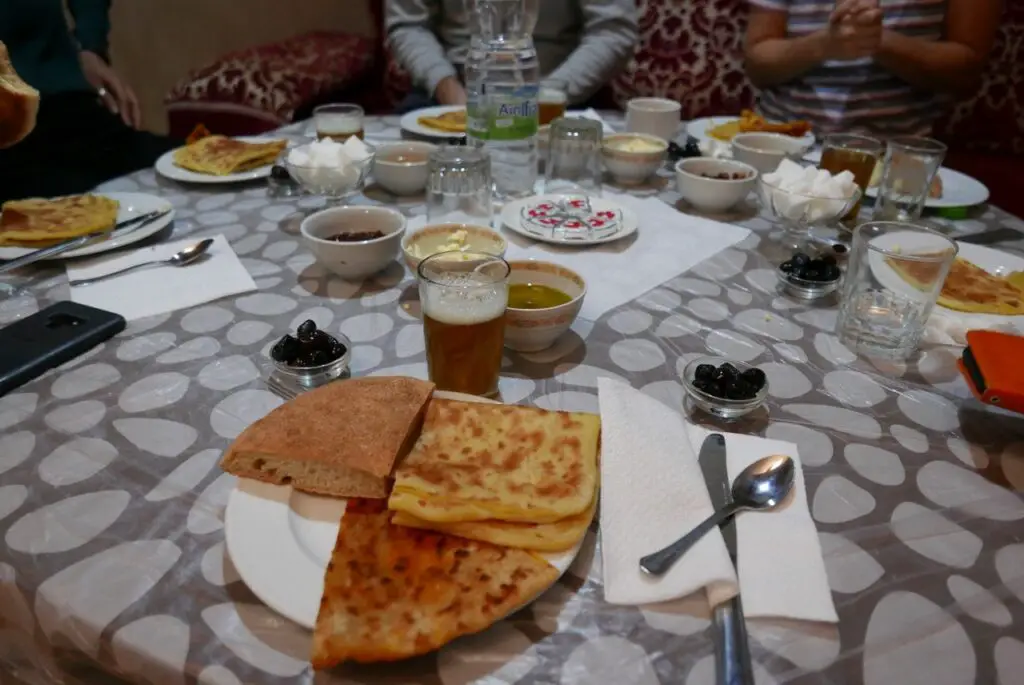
x=505, y=116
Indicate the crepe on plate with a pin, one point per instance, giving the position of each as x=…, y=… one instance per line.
x=340, y=440
x=477, y=462
x=392, y=592
x=751, y=122
x=450, y=122
x=36, y=222
x=222, y=156
x=968, y=287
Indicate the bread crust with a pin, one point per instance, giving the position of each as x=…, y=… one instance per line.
x=19, y=103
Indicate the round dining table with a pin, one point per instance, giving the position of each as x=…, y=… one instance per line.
x=114, y=570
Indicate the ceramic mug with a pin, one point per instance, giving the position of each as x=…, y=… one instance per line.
x=653, y=116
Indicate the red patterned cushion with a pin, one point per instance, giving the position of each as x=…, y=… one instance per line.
x=690, y=52
x=268, y=83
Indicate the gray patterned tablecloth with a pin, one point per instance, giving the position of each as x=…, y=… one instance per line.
x=113, y=565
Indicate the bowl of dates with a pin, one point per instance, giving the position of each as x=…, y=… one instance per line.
x=311, y=356
x=723, y=388
x=809, y=278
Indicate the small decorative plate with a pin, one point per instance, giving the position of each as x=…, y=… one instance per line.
x=569, y=219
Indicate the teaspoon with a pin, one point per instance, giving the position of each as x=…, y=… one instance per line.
x=182, y=258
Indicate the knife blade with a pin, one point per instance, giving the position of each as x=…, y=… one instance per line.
x=120, y=229
x=732, y=649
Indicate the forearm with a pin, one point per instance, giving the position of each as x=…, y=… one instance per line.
x=778, y=60
x=92, y=24
x=591, y=65
x=410, y=38
x=940, y=66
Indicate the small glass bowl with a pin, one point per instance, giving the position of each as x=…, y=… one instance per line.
x=334, y=184
x=721, y=407
x=804, y=289
x=315, y=376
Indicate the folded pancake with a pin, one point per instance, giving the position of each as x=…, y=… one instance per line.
x=539, y=537
x=451, y=122
x=19, y=103
x=221, y=156
x=392, y=592
x=339, y=440
x=37, y=222
x=968, y=287
x=475, y=462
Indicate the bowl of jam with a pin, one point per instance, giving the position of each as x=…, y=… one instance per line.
x=354, y=242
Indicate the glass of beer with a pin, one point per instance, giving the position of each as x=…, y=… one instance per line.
x=856, y=154
x=553, y=101
x=339, y=122
x=463, y=296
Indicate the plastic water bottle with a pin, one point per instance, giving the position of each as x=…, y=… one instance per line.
x=502, y=81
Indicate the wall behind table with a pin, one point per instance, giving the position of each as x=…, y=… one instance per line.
x=154, y=43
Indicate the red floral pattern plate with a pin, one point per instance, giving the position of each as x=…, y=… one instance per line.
x=569, y=219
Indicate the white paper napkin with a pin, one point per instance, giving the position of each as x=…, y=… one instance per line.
x=653, y=492
x=160, y=289
x=945, y=327
x=667, y=243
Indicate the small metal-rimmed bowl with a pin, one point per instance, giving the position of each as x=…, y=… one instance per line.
x=722, y=407
x=806, y=290
x=315, y=376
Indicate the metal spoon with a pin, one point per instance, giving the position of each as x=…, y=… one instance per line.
x=183, y=258
x=760, y=487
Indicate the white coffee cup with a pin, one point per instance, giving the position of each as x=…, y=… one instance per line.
x=654, y=116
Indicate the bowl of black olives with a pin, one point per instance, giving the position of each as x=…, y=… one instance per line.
x=809, y=278
x=312, y=357
x=724, y=388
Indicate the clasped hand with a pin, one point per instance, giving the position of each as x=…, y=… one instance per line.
x=854, y=30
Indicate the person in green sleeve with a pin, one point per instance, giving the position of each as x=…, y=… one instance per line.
x=87, y=130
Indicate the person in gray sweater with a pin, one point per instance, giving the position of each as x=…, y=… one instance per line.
x=583, y=43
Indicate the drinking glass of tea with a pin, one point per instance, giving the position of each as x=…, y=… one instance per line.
x=856, y=154
x=574, y=163
x=553, y=101
x=459, y=186
x=463, y=297
x=339, y=122
x=911, y=165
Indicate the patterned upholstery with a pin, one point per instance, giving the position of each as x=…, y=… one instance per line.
x=260, y=88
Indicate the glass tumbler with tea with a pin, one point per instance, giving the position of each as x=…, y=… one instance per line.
x=574, y=163
x=459, y=186
x=339, y=122
x=895, y=274
x=910, y=167
x=463, y=297
x=553, y=100
x=856, y=154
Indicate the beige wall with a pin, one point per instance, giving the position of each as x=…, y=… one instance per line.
x=156, y=42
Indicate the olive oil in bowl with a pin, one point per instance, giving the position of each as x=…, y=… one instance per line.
x=535, y=296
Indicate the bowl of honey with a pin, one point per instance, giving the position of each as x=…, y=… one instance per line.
x=543, y=301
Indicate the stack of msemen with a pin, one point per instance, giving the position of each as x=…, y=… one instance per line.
x=37, y=223
x=512, y=476
x=222, y=156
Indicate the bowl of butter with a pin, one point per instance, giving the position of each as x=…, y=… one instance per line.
x=632, y=158
x=453, y=238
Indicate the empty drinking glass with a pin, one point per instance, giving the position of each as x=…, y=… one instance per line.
x=459, y=186
x=895, y=274
x=574, y=163
x=910, y=166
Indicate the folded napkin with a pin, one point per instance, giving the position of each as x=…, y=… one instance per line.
x=653, y=492
x=667, y=243
x=946, y=327
x=160, y=289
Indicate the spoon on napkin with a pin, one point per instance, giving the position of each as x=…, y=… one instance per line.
x=189, y=255
x=762, y=486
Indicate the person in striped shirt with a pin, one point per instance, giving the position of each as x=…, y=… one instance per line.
x=879, y=66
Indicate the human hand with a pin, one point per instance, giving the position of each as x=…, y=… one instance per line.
x=450, y=92
x=854, y=30
x=115, y=93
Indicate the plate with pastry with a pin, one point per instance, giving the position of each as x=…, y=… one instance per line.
x=724, y=129
x=389, y=518
x=34, y=223
x=220, y=159
x=444, y=121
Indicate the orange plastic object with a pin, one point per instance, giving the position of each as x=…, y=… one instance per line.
x=992, y=366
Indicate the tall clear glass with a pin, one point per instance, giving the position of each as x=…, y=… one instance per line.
x=339, y=122
x=895, y=274
x=856, y=154
x=463, y=297
x=553, y=101
x=911, y=164
x=574, y=163
x=459, y=186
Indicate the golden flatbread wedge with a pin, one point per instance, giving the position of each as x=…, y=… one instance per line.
x=339, y=440
x=475, y=462
x=539, y=537
x=752, y=122
x=36, y=222
x=221, y=156
x=968, y=287
x=450, y=122
x=392, y=592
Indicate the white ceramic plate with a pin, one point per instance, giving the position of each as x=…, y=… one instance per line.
x=131, y=205
x=410, y=121
x=541, y=218
x=280, y=541
x=698, y=128
x=166, y=167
